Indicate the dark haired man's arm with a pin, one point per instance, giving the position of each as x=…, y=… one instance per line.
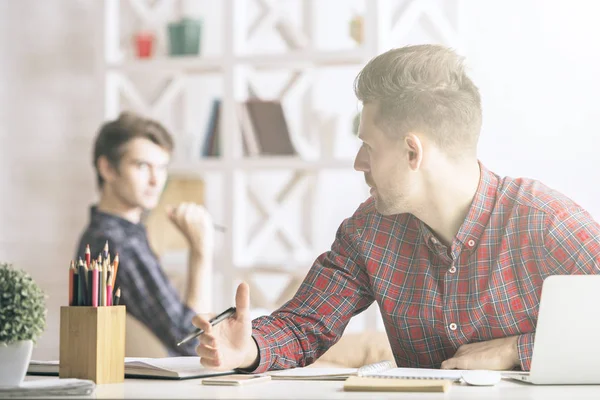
x=149, y=297
x=195, y=224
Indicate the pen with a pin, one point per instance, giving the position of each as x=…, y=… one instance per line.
x=214, y=321
x=220, y=228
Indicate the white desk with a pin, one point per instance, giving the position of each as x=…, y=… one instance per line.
x=193, y=389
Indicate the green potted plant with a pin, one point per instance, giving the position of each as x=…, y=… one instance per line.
x=22, y=320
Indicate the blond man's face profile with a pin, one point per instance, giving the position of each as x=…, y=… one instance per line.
x=382, y=159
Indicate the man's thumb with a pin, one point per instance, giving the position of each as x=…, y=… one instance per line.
x=242, y=300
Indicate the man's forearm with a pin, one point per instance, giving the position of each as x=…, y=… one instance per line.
x=199, y=283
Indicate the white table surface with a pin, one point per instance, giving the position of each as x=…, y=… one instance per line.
x=193, y=389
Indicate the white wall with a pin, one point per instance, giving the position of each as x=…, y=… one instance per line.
x=537, y=63
x=5, y=77
x=45, y=142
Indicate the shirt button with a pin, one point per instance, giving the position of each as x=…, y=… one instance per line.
x=471, y=243
x=452, y=269
x=452, y=326
x=434, y=241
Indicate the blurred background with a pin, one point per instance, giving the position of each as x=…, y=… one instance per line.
x=68, y=65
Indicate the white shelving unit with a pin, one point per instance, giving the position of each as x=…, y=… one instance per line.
x=235, y=65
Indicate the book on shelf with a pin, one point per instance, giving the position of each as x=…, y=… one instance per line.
x=153, y=368
x=270, y=127
x=250, y=140
x=263, y=127
x=211, y=147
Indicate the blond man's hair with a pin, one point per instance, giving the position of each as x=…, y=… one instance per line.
x=423, y=88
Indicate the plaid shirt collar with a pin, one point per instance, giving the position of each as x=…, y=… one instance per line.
x=477, y=218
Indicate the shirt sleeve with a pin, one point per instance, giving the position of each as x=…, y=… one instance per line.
x=572, y=244
x=525, y=350
x=335, y=289
x=149, y=297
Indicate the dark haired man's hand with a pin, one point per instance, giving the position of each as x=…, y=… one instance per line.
x=195, y=223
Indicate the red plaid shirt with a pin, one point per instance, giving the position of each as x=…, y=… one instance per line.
x=433, y=300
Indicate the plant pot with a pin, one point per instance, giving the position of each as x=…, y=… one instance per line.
x=14, y=360
x=184, y=37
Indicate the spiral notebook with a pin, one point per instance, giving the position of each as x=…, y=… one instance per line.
x=410, y=373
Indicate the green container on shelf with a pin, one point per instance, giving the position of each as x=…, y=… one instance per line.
x=185, y=36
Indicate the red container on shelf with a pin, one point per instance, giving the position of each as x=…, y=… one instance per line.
x=144, y=44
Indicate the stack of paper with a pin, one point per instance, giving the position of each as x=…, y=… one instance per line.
x=330, y=374
x=49, y=387
x=314, y=374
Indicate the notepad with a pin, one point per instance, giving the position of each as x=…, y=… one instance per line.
x=153, y=368
x=329, y=374
x=376, y=384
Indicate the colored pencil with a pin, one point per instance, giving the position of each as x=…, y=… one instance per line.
x=75, y=286
x=109, y=287
x=94, y=285
x=103, y=285
x=117, y=297
x=71, y=277
x=88, y=255
x=116, y=266
x=81, y=291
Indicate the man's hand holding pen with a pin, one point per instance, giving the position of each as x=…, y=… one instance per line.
x=228, y=345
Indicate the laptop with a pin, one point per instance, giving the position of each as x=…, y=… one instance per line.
x=567, y=338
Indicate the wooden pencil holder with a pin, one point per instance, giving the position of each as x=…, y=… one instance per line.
x=92, y=343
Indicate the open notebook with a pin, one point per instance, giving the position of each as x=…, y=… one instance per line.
x=156, y=368
x=383, y=369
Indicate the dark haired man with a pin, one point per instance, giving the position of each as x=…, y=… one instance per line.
x=131, y=155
